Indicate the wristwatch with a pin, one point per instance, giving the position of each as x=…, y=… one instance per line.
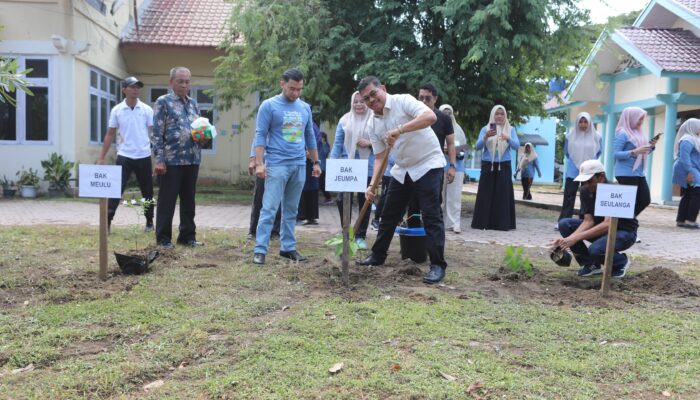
x=452, y=166
x=317, y=162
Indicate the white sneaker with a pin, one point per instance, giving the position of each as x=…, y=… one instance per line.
x=556, y=226
x=361, y=244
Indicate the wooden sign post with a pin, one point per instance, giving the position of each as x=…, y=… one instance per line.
x=103, y=182
x=346, y=176
x=615, y=201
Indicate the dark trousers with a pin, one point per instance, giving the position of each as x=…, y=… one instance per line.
x=141, y=167
x=362, y=229
x=259, y=191
x=689, y=206
x=527, y=184
x=322, y=187
x=643, y=195
x=178, y=181
x=413, y=214
x=382, y=199
x=595, y=253
x=427, y=191
x=570, y=191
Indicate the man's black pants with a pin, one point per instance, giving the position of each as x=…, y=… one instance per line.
x=141, y=167
x=178, y=181
x=427, y=192
x=257, y=206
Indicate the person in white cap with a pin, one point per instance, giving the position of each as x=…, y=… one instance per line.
x=575, y=231
x=134, y=121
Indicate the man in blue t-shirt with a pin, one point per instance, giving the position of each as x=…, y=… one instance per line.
x=283, y=134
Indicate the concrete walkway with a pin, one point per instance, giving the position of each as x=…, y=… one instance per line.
x=660, y=237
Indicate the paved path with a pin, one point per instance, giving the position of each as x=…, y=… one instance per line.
x=660, y=237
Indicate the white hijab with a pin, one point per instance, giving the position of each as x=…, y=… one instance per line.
x=460, y=137
x=526, y=157
x=689, y=132
x=356, y=127
x=583, y=145
x=494, y=144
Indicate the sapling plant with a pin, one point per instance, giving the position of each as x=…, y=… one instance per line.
x=517, y=261
x=140, y=207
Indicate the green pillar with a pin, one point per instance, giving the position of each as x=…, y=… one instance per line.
x=610, y=125
x=652, y=129
x=670, y=133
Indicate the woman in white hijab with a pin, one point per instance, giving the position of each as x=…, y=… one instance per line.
x=686, y=173
x=582, y=143
x=495, y=206
x=452, y=199
x=527, y=164
x=352, y=140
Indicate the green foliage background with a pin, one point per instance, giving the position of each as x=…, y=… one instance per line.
x=477, y=52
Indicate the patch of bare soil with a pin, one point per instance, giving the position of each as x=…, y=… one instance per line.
x=660, y=281
x=474, y=268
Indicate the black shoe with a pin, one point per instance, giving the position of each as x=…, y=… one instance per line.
x=293, y=255
x=259, y=258
x=148, y=228
x=190, y=243
x=166, y=245
x=274, y=236
x=435, y=274
x=370, y=261
x=311, y=222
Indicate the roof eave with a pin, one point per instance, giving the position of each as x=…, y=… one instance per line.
x=672, y=6
x=589, y=60
x=150, y=46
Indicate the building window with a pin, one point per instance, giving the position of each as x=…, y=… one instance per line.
x=27, y=122
x=104, y=95
x=205, y=103
x=98, y=5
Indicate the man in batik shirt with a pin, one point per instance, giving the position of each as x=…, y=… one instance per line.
x=177, y=157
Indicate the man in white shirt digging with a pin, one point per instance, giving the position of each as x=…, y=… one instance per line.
x=405, y=122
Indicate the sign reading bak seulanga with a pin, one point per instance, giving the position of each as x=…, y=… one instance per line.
x=615, y=200
x=101, y=181
x=344, y=175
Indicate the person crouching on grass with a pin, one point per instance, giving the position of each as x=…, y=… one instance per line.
x=575, y=231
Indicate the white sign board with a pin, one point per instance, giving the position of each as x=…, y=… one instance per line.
x=346, y=175
x=615, y=200
x=100, y=181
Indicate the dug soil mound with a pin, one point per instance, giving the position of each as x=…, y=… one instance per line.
x=660, y=281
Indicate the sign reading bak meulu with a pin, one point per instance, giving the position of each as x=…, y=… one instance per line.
x=102, y=181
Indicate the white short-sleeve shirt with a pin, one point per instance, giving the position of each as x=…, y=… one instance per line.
x=132, y=125
x=415, y=152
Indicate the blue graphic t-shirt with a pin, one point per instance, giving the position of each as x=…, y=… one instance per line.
x=285, y=129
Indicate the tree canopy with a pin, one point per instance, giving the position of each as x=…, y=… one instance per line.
x=478, y=53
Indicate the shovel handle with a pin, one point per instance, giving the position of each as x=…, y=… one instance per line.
x=375, y=184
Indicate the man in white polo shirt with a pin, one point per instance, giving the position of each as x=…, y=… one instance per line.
x=134, y=120
x=405, y=122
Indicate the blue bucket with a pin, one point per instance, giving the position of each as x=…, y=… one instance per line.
x=412, y=242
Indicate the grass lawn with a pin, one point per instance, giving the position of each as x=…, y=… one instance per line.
x=209, y=324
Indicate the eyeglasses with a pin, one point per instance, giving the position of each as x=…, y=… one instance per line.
x=372, y=93
x=425, y=98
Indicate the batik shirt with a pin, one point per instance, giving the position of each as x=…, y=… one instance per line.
x=172, y=134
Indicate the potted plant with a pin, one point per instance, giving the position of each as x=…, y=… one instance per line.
x=8, y=188
x=57, y=172
x=28, y=182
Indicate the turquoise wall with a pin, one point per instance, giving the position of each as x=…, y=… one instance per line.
x=545, y=127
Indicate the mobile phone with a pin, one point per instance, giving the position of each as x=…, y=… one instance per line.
x=492, y=126
x=658, y=135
